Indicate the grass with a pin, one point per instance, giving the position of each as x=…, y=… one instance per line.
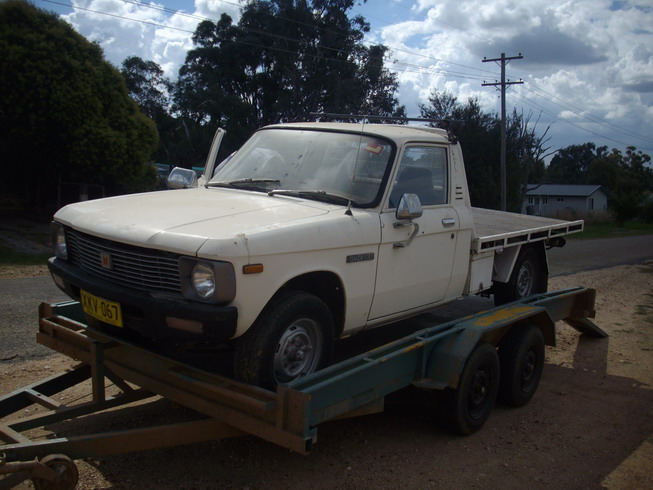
x=10, y=257
x=610, y=230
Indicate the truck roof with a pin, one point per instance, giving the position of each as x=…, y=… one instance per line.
x=396, y=132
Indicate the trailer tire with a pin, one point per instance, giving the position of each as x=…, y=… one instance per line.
x=521, y=359
x=67, y=472
x=469, y=405
x=528, y=277
x=292, y=337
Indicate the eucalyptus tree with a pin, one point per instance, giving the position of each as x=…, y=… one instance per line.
x=282, y=61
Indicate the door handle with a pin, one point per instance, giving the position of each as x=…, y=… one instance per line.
x=448, y=221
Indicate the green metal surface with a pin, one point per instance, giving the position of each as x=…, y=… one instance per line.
x=430, y=358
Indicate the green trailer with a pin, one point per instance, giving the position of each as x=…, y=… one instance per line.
x=470, y=361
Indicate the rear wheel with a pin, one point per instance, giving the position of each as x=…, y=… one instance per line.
x=521, y=357
x=468, y=406
x=293, y=337
x=528, y=277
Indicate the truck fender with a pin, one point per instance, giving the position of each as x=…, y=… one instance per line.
x=504, y=262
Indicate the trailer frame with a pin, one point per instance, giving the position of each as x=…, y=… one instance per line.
x=432, y=358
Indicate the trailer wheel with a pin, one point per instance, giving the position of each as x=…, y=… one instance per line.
x=528, y=277
x=67, y=478
x=293, y=337
x=468, y=406
x=521, y=357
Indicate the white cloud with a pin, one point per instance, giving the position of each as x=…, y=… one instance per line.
x=149, y=30
x=586, y=61
x=589, y=61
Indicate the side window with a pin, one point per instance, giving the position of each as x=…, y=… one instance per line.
x=422, y=171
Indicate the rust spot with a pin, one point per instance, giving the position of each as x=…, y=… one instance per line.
x=502, y=315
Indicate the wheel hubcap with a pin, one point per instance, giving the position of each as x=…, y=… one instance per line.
x=298, y=350
x=479, y=392
x=528, y=370
x=525, y=279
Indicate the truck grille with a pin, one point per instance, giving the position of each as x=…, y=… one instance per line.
x=139, y=268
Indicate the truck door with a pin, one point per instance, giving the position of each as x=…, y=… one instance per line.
x=416, y=274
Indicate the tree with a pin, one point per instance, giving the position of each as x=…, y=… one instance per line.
x=151, y=90
x=633, y=179
x=283, y=60
x=626, y=178
x=442, y=106
x=479, y=136
x=147, y=85
x=64, y=111
x=570, y=165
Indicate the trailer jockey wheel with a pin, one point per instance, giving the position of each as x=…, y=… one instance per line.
x=67, y=473
x=469, y=405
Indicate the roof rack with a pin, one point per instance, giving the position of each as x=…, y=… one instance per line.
x=445, y=122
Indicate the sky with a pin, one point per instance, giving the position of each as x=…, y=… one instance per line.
x=587, y=65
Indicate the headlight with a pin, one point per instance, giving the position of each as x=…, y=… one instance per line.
x=208, y=281
x=59, y=241
x=203, y=280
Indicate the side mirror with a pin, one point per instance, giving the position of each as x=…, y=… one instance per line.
x=409, y=207
x=182, y=178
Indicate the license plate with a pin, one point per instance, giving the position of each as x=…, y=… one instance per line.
x=102, y=309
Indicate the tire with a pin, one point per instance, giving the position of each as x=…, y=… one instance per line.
x=528, y=277
x=468, y=406
x=292, y=337
x=521, y=359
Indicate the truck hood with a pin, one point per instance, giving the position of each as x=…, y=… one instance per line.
x=182, y=220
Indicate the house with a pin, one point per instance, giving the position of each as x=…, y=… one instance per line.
x=565, y=201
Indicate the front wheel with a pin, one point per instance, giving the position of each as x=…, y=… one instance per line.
x=528, y=277
x=293, y=337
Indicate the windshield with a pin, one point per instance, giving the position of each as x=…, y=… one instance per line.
x=350, y=166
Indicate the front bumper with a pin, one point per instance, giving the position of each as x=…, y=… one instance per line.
x=150, y=314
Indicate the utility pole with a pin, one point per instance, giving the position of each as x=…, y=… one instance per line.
x=503, y=61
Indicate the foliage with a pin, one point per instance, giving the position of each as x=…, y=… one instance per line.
x=625, y=177
x=480, y=136
x=65, y=112
x=150, y=89
x=281, y=62
x=611, y=230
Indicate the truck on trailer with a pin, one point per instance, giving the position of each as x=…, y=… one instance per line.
x=308, y=233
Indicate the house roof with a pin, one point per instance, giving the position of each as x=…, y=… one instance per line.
x=562, y=190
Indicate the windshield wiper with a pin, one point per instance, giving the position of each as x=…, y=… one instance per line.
x=246, y=184
x=317, y=195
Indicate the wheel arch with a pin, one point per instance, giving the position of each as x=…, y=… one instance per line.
x=325, y=285
x=505, y=263
x=446, y=361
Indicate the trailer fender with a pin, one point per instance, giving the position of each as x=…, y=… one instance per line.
x=446, y=360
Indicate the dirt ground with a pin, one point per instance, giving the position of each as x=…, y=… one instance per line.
x=589, y=426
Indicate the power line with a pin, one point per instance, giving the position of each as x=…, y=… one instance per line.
x=415, y=68
x=392, y=65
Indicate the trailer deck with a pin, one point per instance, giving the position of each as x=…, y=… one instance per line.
x=432, y=358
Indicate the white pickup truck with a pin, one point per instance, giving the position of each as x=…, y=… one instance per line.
x=310, y=232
